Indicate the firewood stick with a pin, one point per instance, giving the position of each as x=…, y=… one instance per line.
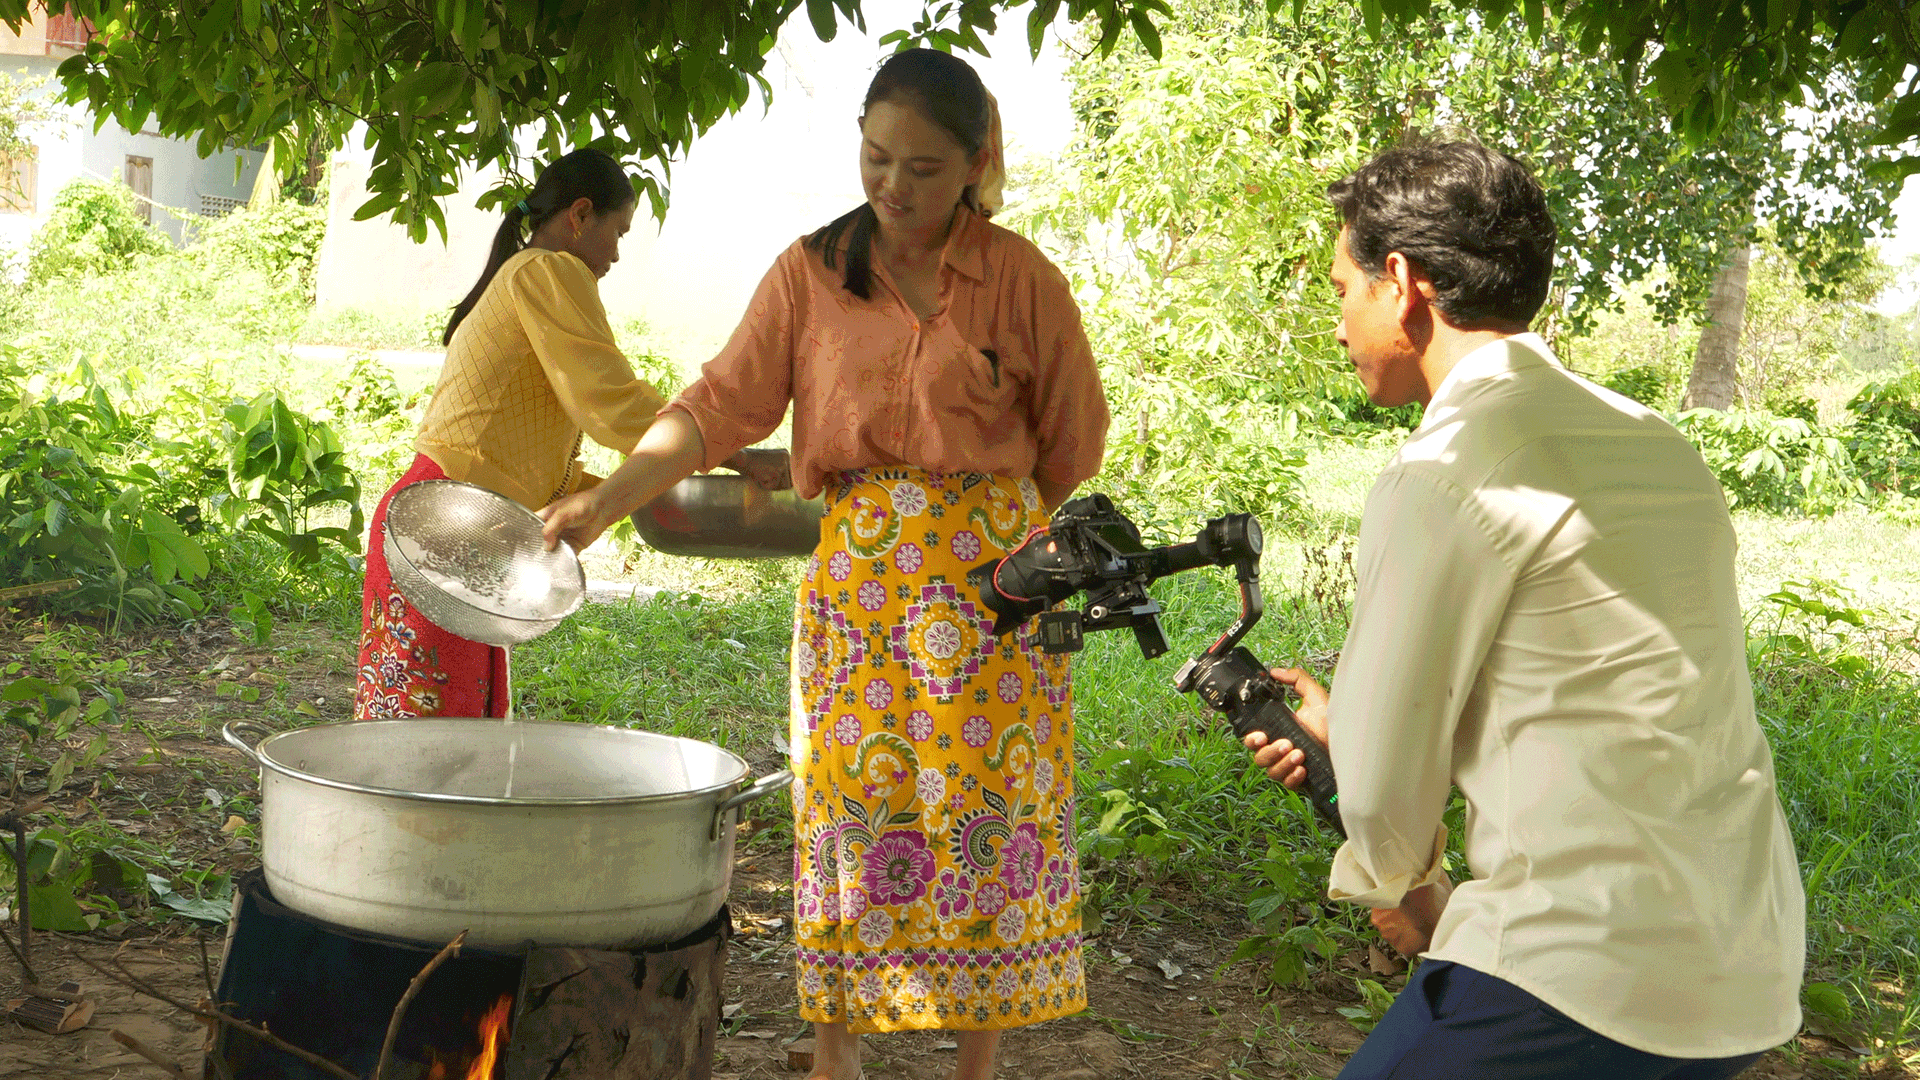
x=447, y=952
x=149, y=1053
x=132, y=981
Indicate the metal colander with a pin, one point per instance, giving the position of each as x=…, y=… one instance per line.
x=474, y=562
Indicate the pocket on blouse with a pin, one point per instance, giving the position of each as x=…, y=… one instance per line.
x=970, y=382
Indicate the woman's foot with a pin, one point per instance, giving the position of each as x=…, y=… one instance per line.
x=836, y=1053
x=978, y=1050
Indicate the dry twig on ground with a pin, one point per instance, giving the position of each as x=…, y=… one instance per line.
x=134, y=982
x=148, y=1052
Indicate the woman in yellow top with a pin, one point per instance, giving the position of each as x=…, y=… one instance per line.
x=531, y=369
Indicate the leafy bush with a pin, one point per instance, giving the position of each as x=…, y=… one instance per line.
x=1885, y=440
x=93, y=229
x=1657, y=386
x=280, y=240
x=1777, y=463
x=66, y=513
x=1359, y=410
x=126, y=502
x=282, y=466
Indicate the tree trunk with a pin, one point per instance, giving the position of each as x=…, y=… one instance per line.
x=1711, y=384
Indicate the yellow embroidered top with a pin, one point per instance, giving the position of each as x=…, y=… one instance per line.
x=530, y=369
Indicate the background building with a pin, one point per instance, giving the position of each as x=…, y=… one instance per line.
x=165, y=174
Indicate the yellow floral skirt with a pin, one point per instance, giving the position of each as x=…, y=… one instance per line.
x=936, y=883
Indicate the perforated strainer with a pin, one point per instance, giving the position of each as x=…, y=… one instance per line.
x=473, y=561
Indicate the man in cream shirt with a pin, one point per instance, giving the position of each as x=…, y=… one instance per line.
x=1547, y=618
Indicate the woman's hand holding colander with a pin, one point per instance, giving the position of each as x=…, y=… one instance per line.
x=668, y=453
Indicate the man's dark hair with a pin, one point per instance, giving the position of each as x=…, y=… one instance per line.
x=1474, y=219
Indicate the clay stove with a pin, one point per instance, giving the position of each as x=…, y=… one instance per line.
x=540, y=1013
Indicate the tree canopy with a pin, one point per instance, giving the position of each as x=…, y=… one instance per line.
x=1706, y=60
x=448, y=85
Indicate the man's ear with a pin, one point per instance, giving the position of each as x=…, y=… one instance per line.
x=1413, y=288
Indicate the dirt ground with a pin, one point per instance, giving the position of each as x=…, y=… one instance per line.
x=1162, y=1004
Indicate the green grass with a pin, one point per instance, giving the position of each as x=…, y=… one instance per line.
x=1839, y=703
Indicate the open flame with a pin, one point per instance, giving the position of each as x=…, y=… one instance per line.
x=493, y=1039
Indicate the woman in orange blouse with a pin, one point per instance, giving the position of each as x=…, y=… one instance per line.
x=531, y=368
x=946, y=398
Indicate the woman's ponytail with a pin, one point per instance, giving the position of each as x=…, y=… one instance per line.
x=507, y=242
x=588, y=174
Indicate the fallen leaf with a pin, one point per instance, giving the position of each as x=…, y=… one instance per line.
x=946, y=1046
x=1170, y=969
x=1380, y=962
x=728, y=1012
x=757, y=1034
x=234, y=824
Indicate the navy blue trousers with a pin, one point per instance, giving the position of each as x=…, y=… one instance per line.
x=1455, y=1023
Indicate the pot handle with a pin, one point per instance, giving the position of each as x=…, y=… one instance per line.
x=235, y=728
x=761, y=788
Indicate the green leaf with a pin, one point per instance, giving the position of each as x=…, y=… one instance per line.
x=57, y=775
x=1149, y=36
x=825, y=22
x=54, y=908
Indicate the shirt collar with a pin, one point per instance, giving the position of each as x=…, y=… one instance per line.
x=966, y=244
x=1486, y=362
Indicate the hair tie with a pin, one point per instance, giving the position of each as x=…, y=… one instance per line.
x=525, y=210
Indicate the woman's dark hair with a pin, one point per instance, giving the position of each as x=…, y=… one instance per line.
x=1474, y=219
x=945, y=90
x=584, y=174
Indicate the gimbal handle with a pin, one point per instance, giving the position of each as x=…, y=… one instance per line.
x=1228, y=677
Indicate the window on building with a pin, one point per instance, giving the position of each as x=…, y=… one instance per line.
x=68, y=32
x=140, y=179
x=19, y=177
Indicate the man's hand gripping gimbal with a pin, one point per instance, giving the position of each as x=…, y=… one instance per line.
x=1090, y=546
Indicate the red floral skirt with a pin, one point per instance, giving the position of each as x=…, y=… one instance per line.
x=408, y=665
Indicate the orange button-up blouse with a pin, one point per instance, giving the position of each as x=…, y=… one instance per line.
x=872, y=384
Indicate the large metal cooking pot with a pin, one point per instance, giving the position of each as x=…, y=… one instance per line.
x=610, y=838
x=721, y=516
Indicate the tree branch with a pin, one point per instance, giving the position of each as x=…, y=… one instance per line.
x=447, y=952
x=134, y=982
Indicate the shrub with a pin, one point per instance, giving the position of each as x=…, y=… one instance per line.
x=1770, y=462
x=1657, y=386
x=65, y=513
x=93, y=229
x=1885, y=439
x=280, y=240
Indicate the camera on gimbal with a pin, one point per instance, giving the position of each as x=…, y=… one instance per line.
x=1090, y=547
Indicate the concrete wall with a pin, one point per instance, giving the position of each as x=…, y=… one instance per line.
x=748, y=188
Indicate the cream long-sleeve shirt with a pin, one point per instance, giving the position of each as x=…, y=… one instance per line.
x=1546, y=616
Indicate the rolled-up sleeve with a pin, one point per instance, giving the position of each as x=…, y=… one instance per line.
x=743, y=392
x=559, y=305
x=1069, y=407
x=1432, y=588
